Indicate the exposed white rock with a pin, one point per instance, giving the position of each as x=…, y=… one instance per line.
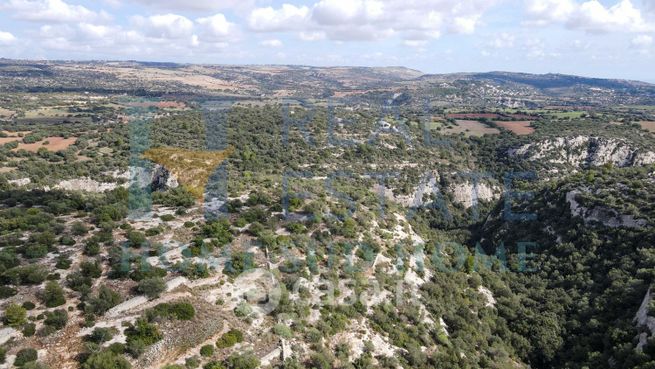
x=20, y=182
x=643, y=319
x=469, y=194
x=489, y=297
x=585, y=151
x=86, y=184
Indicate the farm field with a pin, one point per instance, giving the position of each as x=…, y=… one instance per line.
x=649, y=126
x=471, y=128
x=517, y=127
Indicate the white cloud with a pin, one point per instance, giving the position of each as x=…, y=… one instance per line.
x=415, y=43
x=288, y=17
x=50, y=11
x=197, y=5
x=6, y=38
x=590, y=16
x=503, y=40
x=216, y=27
x=271, y=43
x=165, y=26
x=348, y=20
x=642, y=41
x=312, y=36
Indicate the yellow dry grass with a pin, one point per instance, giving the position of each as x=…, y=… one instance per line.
x=192, y=168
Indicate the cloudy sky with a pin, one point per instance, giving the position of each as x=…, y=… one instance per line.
x=613, y=38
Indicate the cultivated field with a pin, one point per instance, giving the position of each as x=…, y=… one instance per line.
x=649, y=126
x=520, y=128
x=471, y=128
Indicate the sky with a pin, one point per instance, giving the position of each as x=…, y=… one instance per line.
x=613, y=38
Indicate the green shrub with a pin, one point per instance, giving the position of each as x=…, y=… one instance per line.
x=106, y=360
x=213, y=365
x=152, y=287
x=243, y=309
x=242, y=361
x=29, y=329
x=101, y=335
x=25, y=356
x=230, y=338
x=15, y=316
x=282, y=331
x=207, y=350
x=53, y=295
x=167, y=217
x=56, y=319
x=105, y=299
x=178, y=310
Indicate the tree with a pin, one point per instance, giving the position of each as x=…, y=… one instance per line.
x=15, y=316
x=152, y=287
x=53, y=295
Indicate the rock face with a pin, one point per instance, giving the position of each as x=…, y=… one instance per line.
x=466, y=193
x=644, y=320
x=469, y=194
x=584, y=151
x=602, y=214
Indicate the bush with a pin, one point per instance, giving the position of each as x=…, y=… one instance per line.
x=141, y=335
x=56, y=319
x=6, y=292
x=103, y=301
x=242, y=361
x=136, y=239
x=152, y=287
x=24, y=356
x=15, y=316
x=29, y=329
x=106, y=360
x=3, y=355
x=207, y=350
x=28, y=305
x=101, y=335
x=53, y=295
x=167, y=217
x=282, y=331
x=243, y=309
x=192, y=362
x=178, y=310
x=230, y=338
x=213, y=365
x=79, y=229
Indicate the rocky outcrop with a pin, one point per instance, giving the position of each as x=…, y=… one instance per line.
x=584, y=151
x=466, y=193
x=469, y=194
x=602, y=214
x=644, y=320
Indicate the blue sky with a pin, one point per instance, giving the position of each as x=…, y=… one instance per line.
x=594, y=38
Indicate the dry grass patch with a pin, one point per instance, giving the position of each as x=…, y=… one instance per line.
x=192, y=168
x=520, y=128
x=50, y=143
x=6, y=113
x=649, y=126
